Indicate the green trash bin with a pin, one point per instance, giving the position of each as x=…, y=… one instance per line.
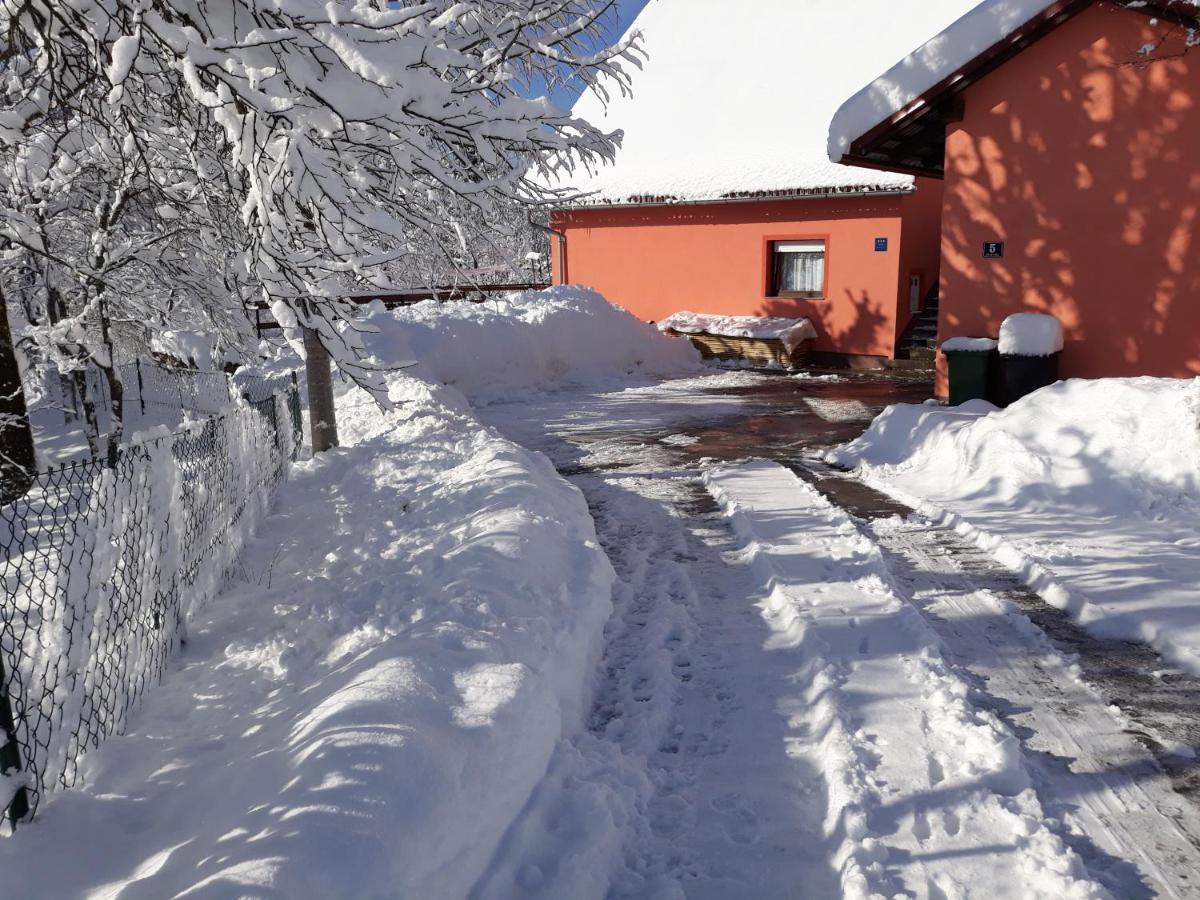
x=972, y=365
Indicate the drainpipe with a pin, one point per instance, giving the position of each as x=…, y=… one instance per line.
x=562, y=246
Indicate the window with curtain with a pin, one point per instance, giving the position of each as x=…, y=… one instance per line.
x=798, y=269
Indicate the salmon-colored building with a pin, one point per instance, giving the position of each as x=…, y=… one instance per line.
x=1067, y=141
x=867, y=261
x=721, y=199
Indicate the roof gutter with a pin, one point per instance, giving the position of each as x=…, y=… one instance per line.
x=816, y=195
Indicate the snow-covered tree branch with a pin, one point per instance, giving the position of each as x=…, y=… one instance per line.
x=178, y=158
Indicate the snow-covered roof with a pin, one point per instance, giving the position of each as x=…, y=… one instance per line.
x=736, y=104
x=939, y=58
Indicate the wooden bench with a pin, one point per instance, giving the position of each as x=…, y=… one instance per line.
x=765, y=352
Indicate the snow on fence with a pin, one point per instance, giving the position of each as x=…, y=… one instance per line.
x=101, y=568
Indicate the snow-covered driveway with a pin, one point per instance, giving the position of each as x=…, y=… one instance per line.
x=795, y=703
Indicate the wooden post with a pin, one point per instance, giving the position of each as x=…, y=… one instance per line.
x=17, y=460
x=16, y=807
x=322, y=419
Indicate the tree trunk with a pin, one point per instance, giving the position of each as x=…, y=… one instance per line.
x=91, y=424
x=56, y=311
x=116, y=390
x=70, y=397
x=322, y=419
x=17, y=459
x=116, y=424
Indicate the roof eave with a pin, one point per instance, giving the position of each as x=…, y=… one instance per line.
x=774, y=196
x=916, y=170
x=867, y=149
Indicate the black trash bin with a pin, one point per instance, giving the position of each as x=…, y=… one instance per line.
x=971, y=368
x=1021, y=375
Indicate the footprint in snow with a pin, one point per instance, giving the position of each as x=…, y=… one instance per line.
x=738, y=821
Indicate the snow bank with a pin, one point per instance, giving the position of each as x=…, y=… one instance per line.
x=882, y=717
x=969, y=344
x=793, y=332
x=371, y=704
x=983, y=25
x=540, y=340
x=1030, y=334
x=1090, y=489
x=775, y=76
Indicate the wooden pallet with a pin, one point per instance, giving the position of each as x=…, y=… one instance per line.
x=766, y=352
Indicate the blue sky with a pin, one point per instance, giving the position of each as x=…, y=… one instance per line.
x=615, y=26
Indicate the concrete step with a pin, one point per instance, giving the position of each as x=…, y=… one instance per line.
x=911, y=365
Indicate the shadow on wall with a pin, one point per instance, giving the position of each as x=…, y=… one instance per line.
x=858, y=321
x=1080, y=157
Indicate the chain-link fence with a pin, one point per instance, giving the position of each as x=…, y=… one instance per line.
x=101, y=567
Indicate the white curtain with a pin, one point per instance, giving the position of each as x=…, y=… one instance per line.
x=800, y=267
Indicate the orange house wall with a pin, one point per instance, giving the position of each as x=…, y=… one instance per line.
x=1085, y=163
x=712, y=258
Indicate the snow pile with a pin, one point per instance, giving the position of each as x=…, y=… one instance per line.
x=882, y=717
x=540, y=340
x=1090, y=489
x=371, y=705
x=969, y=344
x=192, y=347
x=775, y=76
x=983, y=25
x=793, y=332
x=1030, y=334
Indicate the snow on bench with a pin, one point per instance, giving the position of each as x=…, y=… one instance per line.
x=791, y=332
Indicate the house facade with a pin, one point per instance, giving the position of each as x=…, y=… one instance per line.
x=859, y=265
x=1066, y=142
x=721, y=199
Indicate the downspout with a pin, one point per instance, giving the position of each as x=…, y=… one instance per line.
x=562, y=246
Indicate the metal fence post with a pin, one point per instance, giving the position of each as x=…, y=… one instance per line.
x=141, y=387
x=294, y=404
x=10, y=756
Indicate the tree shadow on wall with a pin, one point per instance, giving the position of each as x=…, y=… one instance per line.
x=861, y=325
x=1091, y=182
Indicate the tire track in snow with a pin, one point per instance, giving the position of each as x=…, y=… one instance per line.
x=1128, y=803
x=1133, y=831
x=928, y=796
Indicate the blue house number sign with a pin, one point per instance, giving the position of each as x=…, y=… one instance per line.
x=881, y=245
x=993, y=249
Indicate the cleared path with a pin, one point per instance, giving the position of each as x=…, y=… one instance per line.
x=691, y=780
